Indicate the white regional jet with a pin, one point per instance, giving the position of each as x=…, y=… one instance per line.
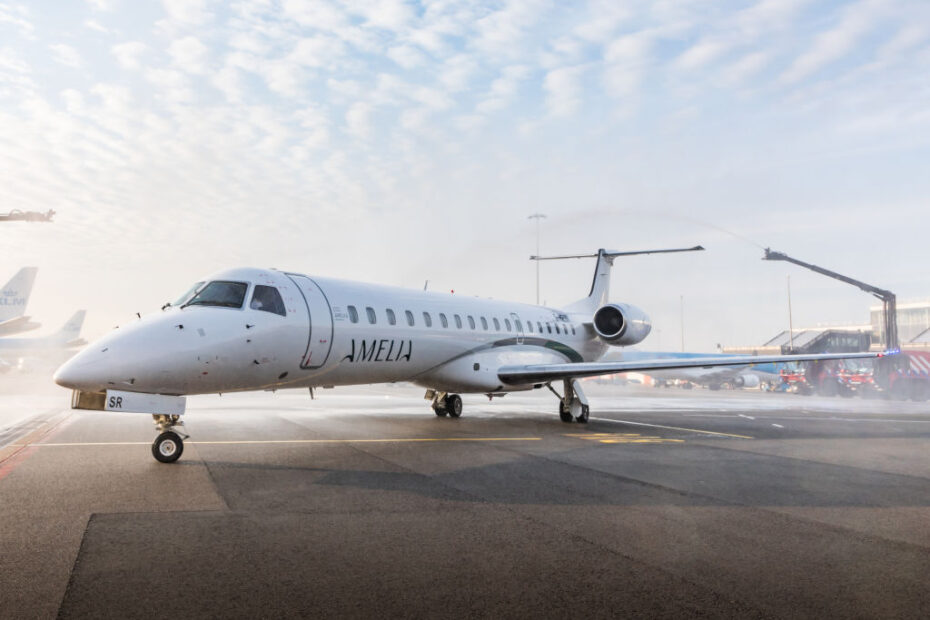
x=13, y=299
x=260, y=329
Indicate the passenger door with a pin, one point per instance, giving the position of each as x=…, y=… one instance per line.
x=320, y=336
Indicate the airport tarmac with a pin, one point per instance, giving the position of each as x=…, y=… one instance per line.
x=363, y=503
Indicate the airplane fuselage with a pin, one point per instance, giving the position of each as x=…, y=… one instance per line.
x=329, y=332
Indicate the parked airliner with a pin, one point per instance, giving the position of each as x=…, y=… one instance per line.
x=260, y=329
x=52, y=348
x=14, y=296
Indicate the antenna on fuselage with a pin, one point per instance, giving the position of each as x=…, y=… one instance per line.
x=425, y=285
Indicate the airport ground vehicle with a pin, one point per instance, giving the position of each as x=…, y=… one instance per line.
x=908, y=378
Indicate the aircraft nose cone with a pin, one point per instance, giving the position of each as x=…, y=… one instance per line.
x=81, y=373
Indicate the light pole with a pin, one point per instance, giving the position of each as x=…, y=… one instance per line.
x=537, y=217
x=682, y=297
x=790, y=319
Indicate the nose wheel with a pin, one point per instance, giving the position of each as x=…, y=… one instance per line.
x=169, y=445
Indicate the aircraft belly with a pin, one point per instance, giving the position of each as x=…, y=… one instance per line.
x=477, y=372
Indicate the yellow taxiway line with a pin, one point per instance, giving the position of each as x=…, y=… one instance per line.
x=292, y=441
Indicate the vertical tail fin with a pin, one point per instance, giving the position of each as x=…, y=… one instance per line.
x=600, y=285
x=15, y=294
x=71, y=330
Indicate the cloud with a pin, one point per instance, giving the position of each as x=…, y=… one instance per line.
x=394, y=15
x=407, y=56
x=190, y=55
x=745, y=67
x=625, y=61
x=704, y=51
x=127, y=54
x=563, y=90
x=17, y=16
x=100, y=5
x=504, y=88
x=835, y=43
x=188, y=12
x=358, y=120
x=66, y=55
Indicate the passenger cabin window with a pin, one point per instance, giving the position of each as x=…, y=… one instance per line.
x=409, y=317
x=458, y=321
x=484, y=324
x=392, y=320
x=372, y=318
x=539, y=325
x=529, y=326
x=573, y=330
x=507, y=324
x=471, y=321
x=427, y=319
x=267, y=299
x=518, y=324
x=443, y=320
x=353, y=314
x=549, y=327
x=220, y=293
x=557, y=329
x=497, y=324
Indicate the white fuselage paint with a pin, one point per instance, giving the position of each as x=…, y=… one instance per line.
x=198, y=350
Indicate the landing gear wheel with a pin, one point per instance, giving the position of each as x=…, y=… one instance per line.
x=565, y=413
x=454, y=405
x=440, y=411
x=167, y=447
x=582, y=417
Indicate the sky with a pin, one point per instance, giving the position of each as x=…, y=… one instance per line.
x=398, y=142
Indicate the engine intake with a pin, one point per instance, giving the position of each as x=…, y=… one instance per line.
x=621, y=324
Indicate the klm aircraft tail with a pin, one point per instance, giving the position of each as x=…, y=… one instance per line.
x=15, y=294
x=600, y=285
x=70, y=332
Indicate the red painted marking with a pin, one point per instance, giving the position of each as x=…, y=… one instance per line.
x=7, y=467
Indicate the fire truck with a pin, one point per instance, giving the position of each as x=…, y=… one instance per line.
x=908, y=379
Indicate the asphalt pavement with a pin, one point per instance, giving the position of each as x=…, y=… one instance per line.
x=363, y=503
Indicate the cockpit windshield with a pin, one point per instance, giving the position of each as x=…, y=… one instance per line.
x=187, y=294
x=220, y=293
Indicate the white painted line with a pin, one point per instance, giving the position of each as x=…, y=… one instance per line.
x=674, y=428
x=778, y=426
x=748, y=417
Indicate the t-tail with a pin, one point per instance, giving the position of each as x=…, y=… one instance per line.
x=600, y=284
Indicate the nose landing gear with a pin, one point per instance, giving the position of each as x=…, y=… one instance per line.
x=169, y=445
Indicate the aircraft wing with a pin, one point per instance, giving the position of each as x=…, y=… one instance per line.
x=542, y=373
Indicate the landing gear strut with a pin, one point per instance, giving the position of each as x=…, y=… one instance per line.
x=573, y=405
x=445, y=404
x=169, y=445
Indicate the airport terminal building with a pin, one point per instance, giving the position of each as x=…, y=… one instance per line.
x=913, y=334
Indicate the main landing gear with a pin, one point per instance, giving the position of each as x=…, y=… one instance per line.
x=573, y=405
x=169, y=445
x=445, y=404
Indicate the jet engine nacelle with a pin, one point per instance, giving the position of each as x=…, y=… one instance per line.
x=621, y=324
x=747, y=381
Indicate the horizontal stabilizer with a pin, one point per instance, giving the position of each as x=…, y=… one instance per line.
x=611, y=254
